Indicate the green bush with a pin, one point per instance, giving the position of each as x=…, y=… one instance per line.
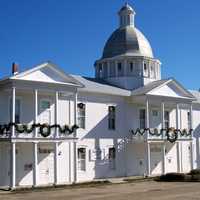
x=195, y=172
x=172, y=177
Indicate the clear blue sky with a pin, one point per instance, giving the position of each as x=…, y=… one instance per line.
x=72, y=34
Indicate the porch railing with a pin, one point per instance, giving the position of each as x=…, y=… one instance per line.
x=36, y=130
x=169, y=134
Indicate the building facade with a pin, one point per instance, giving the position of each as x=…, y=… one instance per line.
x=57, y=128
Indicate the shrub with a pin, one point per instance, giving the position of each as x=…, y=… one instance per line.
x=195, y=172
x=172, y=177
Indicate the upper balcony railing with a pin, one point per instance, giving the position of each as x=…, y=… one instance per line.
x=14, y=130
x=170, y=134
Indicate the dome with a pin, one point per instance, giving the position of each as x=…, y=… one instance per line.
x=129, y=41
x=126, y=7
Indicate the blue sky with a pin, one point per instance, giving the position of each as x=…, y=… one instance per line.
x=72, y=34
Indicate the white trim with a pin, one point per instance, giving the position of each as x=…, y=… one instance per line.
x=35, y=164
x=65, y=76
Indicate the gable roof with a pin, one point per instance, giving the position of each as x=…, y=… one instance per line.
x=94, y=85
x=150, y=89
x=47, y=67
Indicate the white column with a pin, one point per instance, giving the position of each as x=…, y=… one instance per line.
x=116, y=68
x=109, y=70
x=148, y=156
x=147, y=116
x=56, y=143
x=74, y=143
x=56, y=163
x=163, y=157
x=125, y=68
x=56, y=114
x=178, y=157
x=178, y=146
x=13, y=165
x=163, y=117
x=36, y=110
x=13, y=110
x=35, y=164
x=70, y=163
x=148, y=159
x=177, y=116
x=191, y=144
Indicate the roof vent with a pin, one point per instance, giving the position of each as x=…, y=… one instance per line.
x=14, y=68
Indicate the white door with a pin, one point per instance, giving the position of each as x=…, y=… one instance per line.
x=186, y=156
x=171, y=158
x=156, y=159
x=46, y=165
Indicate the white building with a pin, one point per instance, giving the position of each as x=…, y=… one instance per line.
x=111, y=110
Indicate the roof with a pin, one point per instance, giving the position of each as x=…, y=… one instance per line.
x=150, y=86
x=46, y=72
x=100, y=86
x=127, y=40
x=126, y=7
x=196, y=94
x=176, y=86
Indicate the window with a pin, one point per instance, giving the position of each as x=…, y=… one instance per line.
x=112, y=157
x=131, y=67
x=81, y=115
x=100, y=70
x=111, y=117
x=45, y=104
x=119, y=67
x=166, y=115
x=154, y=113
x=17, y=110
x=45, y=150
x=145, y=67
x=82, y=159
x=142, y=118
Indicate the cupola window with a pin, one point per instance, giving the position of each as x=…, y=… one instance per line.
x=119, y=68
x=145, y=73
x=145, y=67
x=100, y=70
x=131, y=67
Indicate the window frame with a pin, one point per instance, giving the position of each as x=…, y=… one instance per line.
x=80, y=161
x=20, y=109
x=131, y=67
x=142, y=123
x=112, y=157
x=167, y=121
x=111, y=118
x=81, y=117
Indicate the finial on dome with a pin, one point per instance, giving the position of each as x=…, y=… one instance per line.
x=126, y=15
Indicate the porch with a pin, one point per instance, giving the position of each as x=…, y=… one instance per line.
x=39, y=107
x=165, y=117
x=37, y=164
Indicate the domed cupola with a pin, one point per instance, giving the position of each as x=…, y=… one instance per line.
x=127, y=59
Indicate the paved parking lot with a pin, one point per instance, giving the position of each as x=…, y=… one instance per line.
x=129, y=191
